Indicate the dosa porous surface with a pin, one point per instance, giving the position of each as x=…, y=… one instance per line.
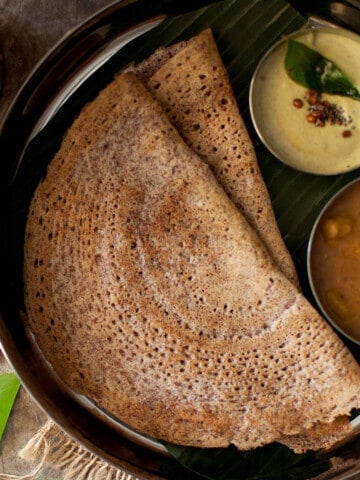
x=149, y=292
x=190, y=81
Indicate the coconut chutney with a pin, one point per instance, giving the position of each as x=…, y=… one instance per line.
x=285, y=130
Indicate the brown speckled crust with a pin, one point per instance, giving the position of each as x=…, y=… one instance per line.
x=150, y=293
x=327, y=434
x=190, y=81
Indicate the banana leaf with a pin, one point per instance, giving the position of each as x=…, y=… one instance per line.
x=9, y=387
x=271, y=462
x=244, y=31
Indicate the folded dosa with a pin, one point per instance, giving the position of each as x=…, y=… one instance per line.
x=190, y=80
x=148, y=291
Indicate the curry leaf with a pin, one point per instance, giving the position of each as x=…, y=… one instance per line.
x=311, y=70
x=9, y=386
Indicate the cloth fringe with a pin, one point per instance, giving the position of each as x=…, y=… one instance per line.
x=51, y=447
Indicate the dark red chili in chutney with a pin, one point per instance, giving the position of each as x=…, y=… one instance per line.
x=298, y=103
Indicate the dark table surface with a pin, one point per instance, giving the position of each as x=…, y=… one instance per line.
x=29, y=29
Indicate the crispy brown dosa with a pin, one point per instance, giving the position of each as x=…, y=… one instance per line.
x=149, y=292
x=190, y=80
